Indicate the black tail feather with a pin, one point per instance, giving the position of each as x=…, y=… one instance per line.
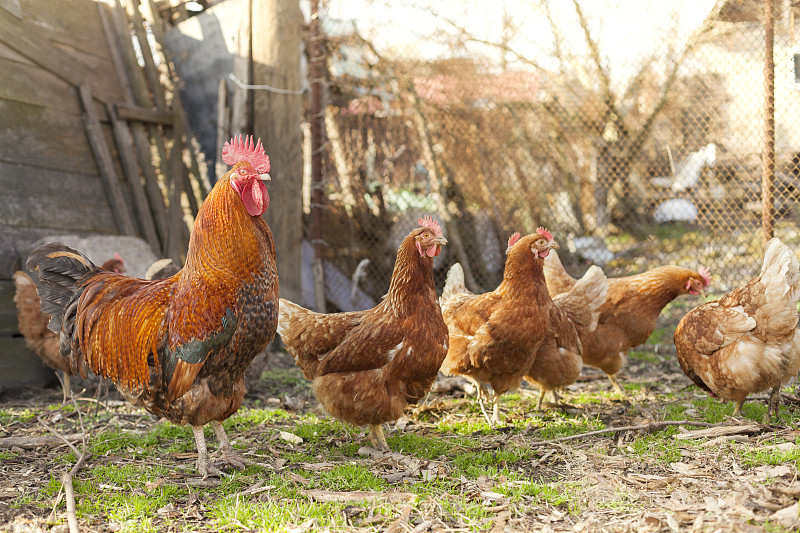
x=61, y=273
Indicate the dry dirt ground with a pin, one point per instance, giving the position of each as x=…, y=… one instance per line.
x=617, y=481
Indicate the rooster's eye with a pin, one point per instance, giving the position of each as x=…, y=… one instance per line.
x=241, y=172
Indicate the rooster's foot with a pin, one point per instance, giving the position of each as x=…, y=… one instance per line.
x=237, y=462
x=227, y=454
x=207, y=469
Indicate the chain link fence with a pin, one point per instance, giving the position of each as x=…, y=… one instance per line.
x=633, y=130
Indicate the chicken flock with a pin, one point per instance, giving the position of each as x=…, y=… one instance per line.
x=179, y=346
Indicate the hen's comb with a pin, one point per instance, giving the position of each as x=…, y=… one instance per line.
x=428, y=222
x=705, y=273
x=119, y=258
x=235, y=150
x=513, y=240
x=544, y=233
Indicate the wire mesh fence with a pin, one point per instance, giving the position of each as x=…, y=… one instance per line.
x=633, y=130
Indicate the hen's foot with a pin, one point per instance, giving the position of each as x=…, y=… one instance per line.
x=540, y=403
x=377, y=438
x=617, y=387
x=64, y=378
x=773, y=404
x=495, y=410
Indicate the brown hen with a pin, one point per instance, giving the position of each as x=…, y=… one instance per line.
x=494, y=336
x=556, y=365
x=630, y=312
x=366, y=366
x=747, y=341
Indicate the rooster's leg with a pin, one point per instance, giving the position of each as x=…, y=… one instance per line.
x=226, y=451
x=204, y=466
x=773, y=404
x=377, y=438
x=555, y=397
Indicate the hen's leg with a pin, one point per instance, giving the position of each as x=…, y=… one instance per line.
x=377, y=438
x=737, y=410
x=226, y=451
x=65, y=386
x=204, y=466
x=541, y=399
x=495, y=409
x=773, y=404
x=617, y=387
x=555, y=397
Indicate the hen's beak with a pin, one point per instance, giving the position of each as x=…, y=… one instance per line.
x=440, y=240
x=264, y=177
x=553, y=245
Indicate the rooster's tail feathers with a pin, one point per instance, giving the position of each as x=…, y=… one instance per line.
x=454, y=284
x=61, y=273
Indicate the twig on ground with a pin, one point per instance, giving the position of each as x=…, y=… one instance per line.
x=651, y=425
x=66, y=479
x=35, y=442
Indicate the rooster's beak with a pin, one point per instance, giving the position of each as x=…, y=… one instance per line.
x=264, y=177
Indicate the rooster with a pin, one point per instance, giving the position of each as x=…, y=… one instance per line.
x=179, y=346
x=494, y=336
x=33, y=322
x=629, y=315
x=747, y=341
x=556, y=365
x=366, y=366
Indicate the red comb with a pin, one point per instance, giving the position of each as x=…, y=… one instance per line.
x=428, y=222
x=119, y=258
x=705, y=273
x=235, y=150
x=544, y=233
x=513, y=240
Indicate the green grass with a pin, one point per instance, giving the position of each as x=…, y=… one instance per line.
x=133, y=473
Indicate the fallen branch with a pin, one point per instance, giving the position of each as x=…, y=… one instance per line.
x=651, y=425
x=35, y=442
x=66, y=479
x=718, y=431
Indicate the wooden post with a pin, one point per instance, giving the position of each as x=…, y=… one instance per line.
x=768, y=151
x=126, y=154
x=175, y=239
x=223, y=127
x=106, y=165
x=339, y=160
x=453, y=234
x=317, y=56
x=276, y=44
x=242, y=98
x=136, y=90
